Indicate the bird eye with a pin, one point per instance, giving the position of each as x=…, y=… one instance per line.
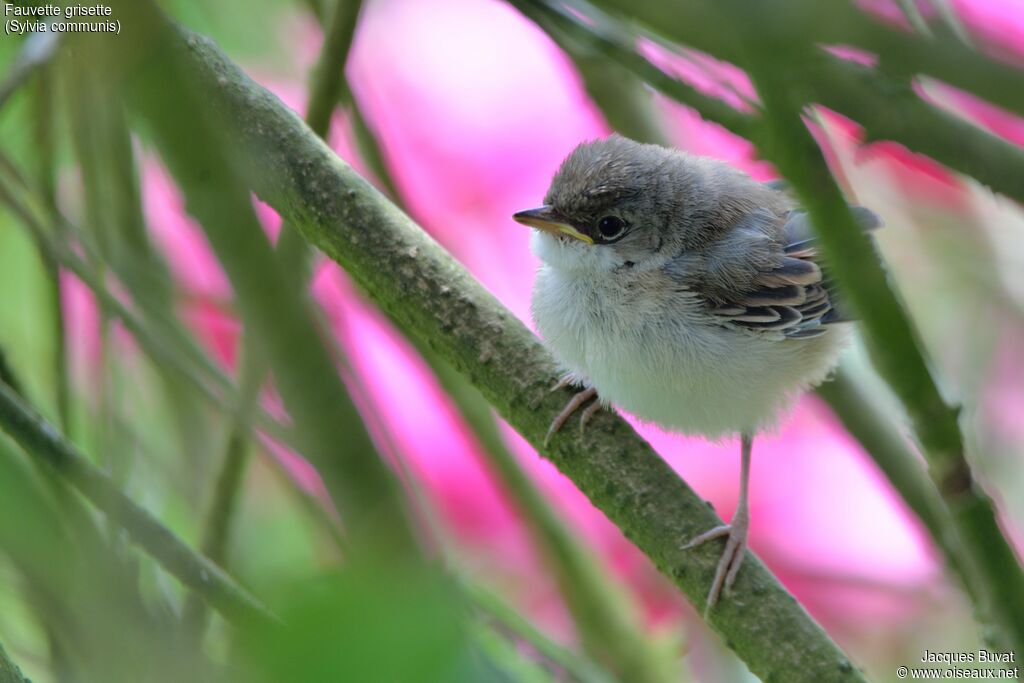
x=610, y=227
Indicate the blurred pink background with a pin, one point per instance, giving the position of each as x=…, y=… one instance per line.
x=475, y=108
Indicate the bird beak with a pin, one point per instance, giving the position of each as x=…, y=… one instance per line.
x=547, y=219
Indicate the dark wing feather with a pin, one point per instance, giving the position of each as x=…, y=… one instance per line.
x=794, y=297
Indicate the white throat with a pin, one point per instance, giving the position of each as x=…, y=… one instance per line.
x=571, y=255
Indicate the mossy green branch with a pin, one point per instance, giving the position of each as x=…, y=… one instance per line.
x=609, y=627
x=431, y=296
x=9, y=671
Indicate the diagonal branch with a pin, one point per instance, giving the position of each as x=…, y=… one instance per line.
x=943, y=56
x=873, y=428
x=9, y=671
x=618, y=90
x=428, y=293
x=904, y=117
x=616, y=46
x=41, y=440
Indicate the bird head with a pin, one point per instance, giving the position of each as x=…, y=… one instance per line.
x=614, y=204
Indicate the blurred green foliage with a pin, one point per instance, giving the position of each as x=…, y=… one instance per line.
x=376, y=623
x=77, y=601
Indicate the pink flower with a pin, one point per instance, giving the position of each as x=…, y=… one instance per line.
x=705, y=73
x=999, y=24
x=914, y=176
x=996, y=120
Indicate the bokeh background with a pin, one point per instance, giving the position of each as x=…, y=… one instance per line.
x=473, y=107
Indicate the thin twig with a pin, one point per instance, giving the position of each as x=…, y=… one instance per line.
x=627, y=108
x=508, y=619
x=161, y=343
x=912, y=14
x=949, y=56
x=904, y=470
x=45, y=140
x=856, y=91
x=617, y=46
x=328, y=82
x=36, y=51
x=227, y=486
x=370, y=149
x=952, y=20
x=42, y=440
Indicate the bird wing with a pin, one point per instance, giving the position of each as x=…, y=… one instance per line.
x=793, y=296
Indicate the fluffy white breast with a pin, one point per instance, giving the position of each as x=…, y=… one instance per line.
x=649, y=349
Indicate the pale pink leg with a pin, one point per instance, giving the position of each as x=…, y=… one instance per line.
x=588, y=413
x=735, y=533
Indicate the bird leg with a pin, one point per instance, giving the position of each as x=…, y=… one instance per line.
x=735, y=533
x=571, y=407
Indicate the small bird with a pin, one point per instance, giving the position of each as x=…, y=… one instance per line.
x=686, y=293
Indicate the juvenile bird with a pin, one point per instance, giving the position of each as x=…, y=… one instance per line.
x=685, y=292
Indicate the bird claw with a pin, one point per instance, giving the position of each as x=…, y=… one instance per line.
x=588, y=413
x=731, y=560
x=571, y=407
x=567, y=380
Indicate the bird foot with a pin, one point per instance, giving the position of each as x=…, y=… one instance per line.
x=732, y=556
x=571, y=407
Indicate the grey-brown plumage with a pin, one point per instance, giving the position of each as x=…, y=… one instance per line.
x=739, y=244
x=685, y=292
